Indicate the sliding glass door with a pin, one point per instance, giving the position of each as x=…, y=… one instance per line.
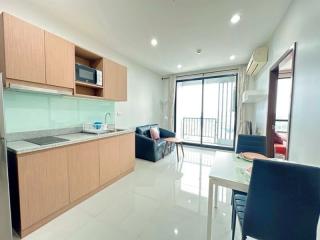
x=189, y=111
x=206, y=111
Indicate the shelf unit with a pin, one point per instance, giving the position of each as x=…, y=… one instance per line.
x=84, y=84
x=253, y=96
x=92, y=60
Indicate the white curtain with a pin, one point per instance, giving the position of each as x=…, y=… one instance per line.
x=243, y=85
x=171, y=101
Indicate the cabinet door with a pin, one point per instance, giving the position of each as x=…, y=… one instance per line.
x=83, y=166
x=60, y=61
x=122, y=83
x=109, y=159
x=110, y=79
x=127, y=152
x=43, y=188
x=24, y=50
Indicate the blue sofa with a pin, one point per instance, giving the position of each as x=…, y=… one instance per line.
x=149, y=149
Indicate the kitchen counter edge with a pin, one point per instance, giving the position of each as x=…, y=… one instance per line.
x=18, y=147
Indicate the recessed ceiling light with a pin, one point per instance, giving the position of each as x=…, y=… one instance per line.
x=235, y=18
x=179, y=66
x=154, y=42
x=232, y=57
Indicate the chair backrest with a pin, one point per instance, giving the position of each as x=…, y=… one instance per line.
x=251, y=143
x=283, y=201
x=145, y=130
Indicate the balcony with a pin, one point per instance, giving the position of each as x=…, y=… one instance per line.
x=214, y=133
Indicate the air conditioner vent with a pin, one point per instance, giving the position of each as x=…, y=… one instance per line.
x=258, y=59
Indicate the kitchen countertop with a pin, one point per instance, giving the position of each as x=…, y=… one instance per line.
x=22, y=146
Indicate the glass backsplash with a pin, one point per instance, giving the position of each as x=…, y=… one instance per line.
x=30, y=111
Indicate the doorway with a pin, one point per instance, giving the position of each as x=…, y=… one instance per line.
x=205, y=111
x=280, y=104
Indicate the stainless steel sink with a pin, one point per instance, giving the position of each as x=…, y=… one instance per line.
x=114, y=130
x=46, y=140
x=106, y=131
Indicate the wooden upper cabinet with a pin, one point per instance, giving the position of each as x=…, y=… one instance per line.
x=114, y=81
x=24, y=50
x=83, y=162
x=43, y=188
x=60, y=61
x=122, y=85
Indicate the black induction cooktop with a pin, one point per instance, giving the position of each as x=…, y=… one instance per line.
x=46, y=140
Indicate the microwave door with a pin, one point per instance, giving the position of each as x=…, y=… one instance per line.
x=85, y=74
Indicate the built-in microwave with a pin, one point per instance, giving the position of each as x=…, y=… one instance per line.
x=88, y=75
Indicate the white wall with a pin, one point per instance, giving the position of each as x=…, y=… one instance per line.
x=144, y=86
x=301, y=25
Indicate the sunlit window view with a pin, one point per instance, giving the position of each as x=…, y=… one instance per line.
x=205, y=111
x=283, y=104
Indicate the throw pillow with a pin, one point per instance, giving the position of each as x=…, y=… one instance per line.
x=154, y=132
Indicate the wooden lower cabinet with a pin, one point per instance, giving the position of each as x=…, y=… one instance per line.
x=83, y=164
x=46, y=183
x=127, y=152
x=109, y=159
x=43, y=188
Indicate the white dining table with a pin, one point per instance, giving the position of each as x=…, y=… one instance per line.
x=227, y=171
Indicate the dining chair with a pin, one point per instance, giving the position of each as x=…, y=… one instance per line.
x=283, y=202
x=248, y=143
x=251, y=143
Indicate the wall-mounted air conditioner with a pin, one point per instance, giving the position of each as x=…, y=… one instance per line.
x=258, y=59
x=253, y=96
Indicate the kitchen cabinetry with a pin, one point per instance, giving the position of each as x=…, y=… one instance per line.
x=45, y=183
x=115, y=81
x=60, y=61
x=109, y=159
x=39, y=60
x=83, y=164
x=42, y=178
x=23, y=49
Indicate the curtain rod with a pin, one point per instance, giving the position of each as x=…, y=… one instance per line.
x=191, y=74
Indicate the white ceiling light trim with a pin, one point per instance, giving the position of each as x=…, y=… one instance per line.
x=232, y=57
x=154, y=42
x=235, y=18
x=179, y=66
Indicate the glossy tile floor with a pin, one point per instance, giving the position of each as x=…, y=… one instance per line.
x=158, y=201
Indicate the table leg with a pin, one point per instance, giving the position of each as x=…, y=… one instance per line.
x=177, y=147
x=165, y=150
x=216, y=193
x=210, y=202
x=182, y=149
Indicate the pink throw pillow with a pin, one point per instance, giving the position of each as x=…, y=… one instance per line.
x=154, y=132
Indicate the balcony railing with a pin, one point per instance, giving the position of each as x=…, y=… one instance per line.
x=281, y=125
x=213, y=132
x=192, y=127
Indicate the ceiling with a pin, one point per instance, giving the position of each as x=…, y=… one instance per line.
x=180, y=26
